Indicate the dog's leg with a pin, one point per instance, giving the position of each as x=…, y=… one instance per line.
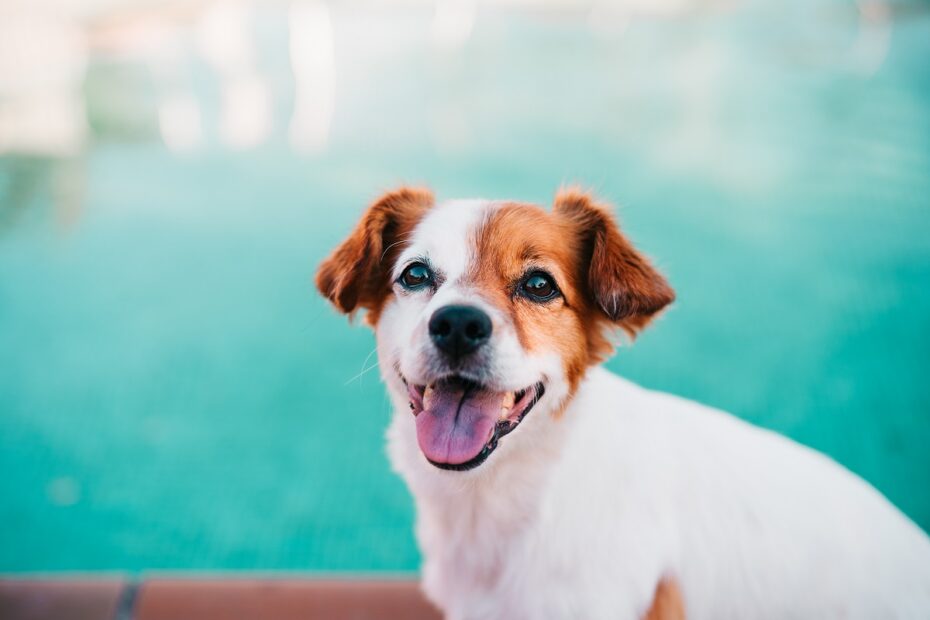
x=667, y=603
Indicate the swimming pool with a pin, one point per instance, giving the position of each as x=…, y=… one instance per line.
x=174, y=394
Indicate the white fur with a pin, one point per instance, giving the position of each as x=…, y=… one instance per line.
x=580, y=515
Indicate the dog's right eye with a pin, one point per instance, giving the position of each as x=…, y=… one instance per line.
x=415, y=276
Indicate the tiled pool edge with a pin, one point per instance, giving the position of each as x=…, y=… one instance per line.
x=233, y=596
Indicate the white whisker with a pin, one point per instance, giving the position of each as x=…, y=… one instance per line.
x=403, y=239
x=364, y=369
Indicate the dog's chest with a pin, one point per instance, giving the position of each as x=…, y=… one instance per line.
x=497, y=557
x=478, y=553
x=479, y=567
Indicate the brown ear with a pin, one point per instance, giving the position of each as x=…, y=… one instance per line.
x=355, y=275
x=622, y=282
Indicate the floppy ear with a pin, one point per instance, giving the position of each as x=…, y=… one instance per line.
x=622, y=282
x=356, y=274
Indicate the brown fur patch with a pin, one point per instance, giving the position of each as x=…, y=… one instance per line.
x=604, y=281
x=514, y=240
x=621, y=284
x=622, y=281
x=356, y=274
x=667, y=603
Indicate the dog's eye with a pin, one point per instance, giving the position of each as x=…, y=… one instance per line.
x=539, y=287
x=415, y=276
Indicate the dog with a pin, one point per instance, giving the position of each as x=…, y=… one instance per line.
x=548, y=488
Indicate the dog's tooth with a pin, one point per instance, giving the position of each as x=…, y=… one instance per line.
x=427, y=392
x=505, y=411
x=508, y=400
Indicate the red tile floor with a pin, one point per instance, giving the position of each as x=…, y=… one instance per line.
x=212, y=599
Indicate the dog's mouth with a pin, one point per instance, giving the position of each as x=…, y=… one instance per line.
x=460, y=422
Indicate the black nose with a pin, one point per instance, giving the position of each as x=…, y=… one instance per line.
x=459, y=330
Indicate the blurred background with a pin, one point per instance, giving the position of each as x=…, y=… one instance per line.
x=174, y=394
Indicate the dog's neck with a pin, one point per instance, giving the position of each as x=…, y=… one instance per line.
x=495, y=501
x=504, y=497
x=468, y=522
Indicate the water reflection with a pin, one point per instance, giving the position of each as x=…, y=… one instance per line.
x=234, y=75
x=871, y=45
x=227, y=42
x=312, y=55
x=29, y=182
x=43, y=57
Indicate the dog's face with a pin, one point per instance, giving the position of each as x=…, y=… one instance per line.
x=485, y=310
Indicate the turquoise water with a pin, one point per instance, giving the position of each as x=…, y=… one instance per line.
x=174, y=395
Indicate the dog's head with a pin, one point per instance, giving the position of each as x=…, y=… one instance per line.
x=487, y=310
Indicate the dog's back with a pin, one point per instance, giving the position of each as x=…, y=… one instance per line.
x=749, y=523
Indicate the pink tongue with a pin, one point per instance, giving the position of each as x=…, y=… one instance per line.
x=453, y=429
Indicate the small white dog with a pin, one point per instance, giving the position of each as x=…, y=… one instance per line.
x=547, y=487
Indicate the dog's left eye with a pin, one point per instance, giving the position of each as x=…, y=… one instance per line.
x=539, y=287
x=415, y=276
